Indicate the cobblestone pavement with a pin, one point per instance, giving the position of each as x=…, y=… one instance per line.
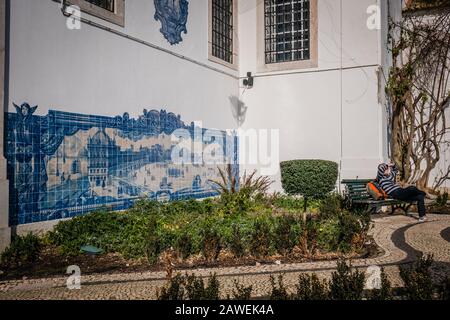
x=401, y=239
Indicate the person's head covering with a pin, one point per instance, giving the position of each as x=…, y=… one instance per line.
x=381, y=169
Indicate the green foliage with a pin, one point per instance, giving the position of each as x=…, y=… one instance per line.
x=385, y=291
x=190, y=288
x=174, y=290
x=204, y=227
x=238, y=193
x=236, y=241
x=153, y=244
x=417, y=279
x=349, y=227
x=345, y=283
x=261, y=236
x=442, y=199
x=309, y=178
x=241, y=292
x=331, y=206
x=211, y=237
x=196, y=290
x=23, y=251
x=286, y=233
x=278, y=291
x=329, y=235
x=309, y=287
x=184, y=245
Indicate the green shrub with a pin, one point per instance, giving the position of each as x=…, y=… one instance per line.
x=261, y=237
x=174, y=290
x=236, y=241
x=196, y=290
x=153, y=244
x=417, y=279
x=385, y=291
x=286, y=233
x=211, y=237
x=345, y=283
x=331, y=206
x=23, y=251
x=241, y=292
x=350, y=226
x=278, y=291
x=184, y=245
x=190, y=288
x=442, y=199
x=309, y=178
x=238, y=193
x=287, y=202
x=309, y=287
x=328, y=234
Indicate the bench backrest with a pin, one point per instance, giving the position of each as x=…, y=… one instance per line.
x=356, y=189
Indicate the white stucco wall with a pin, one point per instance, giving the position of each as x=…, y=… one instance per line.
x=93, y=71
x=332, y=112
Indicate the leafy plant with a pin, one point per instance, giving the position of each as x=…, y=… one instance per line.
x=417, y=279
x=351, y=228
x=211, y=239
x=385, y=291
x=261, y=237
x=153, y=244
x=236, y=242
x=331, y=206
x=310, y=178
x=237, y=193
x=308, y=240
x=286, y=233
x=442, y=199
x=184, y=245
x=24, y=250
x=241, y=292
x=346, y=284
x=196, y=290
x=309, y=287
x=174, y=290
x=278, y=291
x=190, y=288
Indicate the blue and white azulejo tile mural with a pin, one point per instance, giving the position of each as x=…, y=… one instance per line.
x=65, y=164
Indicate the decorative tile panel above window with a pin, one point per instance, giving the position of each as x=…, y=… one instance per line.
x=222, y=42
x=109, y=10
x=287, y=34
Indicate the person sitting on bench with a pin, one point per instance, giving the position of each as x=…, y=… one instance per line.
x=386, y=178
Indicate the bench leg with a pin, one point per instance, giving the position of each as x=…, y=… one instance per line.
x=394, y=207
x=406, y=207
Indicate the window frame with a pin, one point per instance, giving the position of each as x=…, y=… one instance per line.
x=312, y=62
x=117, y=17
x=211, y=57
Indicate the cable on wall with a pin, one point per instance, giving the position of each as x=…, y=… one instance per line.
x=140, y=41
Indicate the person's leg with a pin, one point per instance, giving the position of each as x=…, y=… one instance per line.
x=412, y=194
x=420, y=204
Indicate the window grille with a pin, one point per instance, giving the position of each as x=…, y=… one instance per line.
x=287, y=30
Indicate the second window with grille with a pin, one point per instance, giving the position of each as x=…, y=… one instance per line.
x=287, y=30
x=222, y=31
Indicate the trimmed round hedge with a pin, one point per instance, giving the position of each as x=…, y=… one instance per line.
x=309, y=178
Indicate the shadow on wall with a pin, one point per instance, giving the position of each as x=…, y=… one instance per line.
x=238, y=109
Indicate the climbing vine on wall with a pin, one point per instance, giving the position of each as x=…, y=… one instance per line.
x=419, y=91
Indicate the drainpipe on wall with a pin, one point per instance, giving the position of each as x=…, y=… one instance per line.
x=5, y=230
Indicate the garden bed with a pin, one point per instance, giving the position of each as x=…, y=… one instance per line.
x=233, y=230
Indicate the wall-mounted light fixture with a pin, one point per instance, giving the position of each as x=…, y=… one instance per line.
x=248, y=82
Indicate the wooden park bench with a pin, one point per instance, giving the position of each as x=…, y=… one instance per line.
x=357, y=197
